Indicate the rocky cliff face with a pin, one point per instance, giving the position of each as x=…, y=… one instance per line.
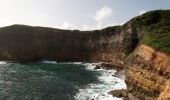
x=25, y=43
x=165, y=94
x=148, y=74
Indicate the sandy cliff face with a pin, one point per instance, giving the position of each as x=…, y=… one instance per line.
x=165, y=94
x=148, y=73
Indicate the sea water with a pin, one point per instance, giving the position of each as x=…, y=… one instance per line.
x=49, y=80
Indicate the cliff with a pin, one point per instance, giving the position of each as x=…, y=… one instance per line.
x=26, y=43
x=148, y=73
x=148, y=66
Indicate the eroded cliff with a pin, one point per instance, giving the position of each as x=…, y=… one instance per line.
x=148, y=73
x=25, y=43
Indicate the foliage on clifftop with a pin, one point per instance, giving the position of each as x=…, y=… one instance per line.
x=156, y=25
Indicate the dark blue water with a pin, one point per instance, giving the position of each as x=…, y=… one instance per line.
x=43, y=81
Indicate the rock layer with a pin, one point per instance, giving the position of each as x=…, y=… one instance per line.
x=148, y=73
x=165, y=94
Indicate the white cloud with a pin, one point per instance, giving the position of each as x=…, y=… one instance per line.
x=87, y=27
x=66, y=25
x=142, y=12
x=45, y=15
x=117, y=24
x=5, y=22
x=98, y=26
x=95, y=27
x=103, y=14
x=100, y=17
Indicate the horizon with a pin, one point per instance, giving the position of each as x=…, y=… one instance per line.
x=78, y=15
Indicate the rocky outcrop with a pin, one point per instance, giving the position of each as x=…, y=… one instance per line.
x=123, y=94
x=148, y=73
x=110, y=66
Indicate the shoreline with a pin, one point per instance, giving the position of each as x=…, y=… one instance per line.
x=110, y=79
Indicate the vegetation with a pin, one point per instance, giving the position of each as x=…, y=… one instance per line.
x=156, y=26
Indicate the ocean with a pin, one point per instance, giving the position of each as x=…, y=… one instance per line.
x=49, y=80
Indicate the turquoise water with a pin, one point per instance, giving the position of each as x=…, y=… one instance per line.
x=41, y=81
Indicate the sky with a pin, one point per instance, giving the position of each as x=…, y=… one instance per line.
x=75, y=14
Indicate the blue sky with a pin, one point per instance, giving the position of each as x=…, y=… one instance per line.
x=75, y=14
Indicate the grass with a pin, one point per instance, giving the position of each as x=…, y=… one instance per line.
x=158, y=37
x=156, y=26
x=160, y=42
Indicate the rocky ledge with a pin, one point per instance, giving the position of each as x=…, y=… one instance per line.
x=110, y=66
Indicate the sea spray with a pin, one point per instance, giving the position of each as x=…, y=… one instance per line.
x=99, y=91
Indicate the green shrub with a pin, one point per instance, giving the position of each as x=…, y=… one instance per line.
x=156, y=26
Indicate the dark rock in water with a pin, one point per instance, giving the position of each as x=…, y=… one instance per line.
x=109, y=66
x=118, y=93
x=123, y=93
x=98, y=66
x=114, y=75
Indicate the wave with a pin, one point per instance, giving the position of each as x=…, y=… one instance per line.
x=47, y=62
x=2, y=62
x=100, y=90
x=55, y=62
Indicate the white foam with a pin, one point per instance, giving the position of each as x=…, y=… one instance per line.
x=55, y=62
x=76, y=63
x=100, y=90
x=2, y=62
x=48, y=62
x=90, y=66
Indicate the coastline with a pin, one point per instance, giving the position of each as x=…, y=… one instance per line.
x=110, y=79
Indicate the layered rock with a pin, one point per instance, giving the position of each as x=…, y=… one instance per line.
x=165, y=94
x=148, y=73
